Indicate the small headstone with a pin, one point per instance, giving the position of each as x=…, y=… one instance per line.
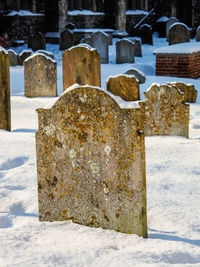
x=13, y=58
x=125, y=86
x=70, y=26
x=38, y=41
x=198, y=34
x=164, y=112
x=146, y=34
x=66, y=39
x=91, y=162
x=139, y=75
x=5, y=113
x=169, y=23
x=138, y=48
x=24, y=55
x=178, y=33
x=40, y=77
x=190, y=94
x=161, y=26
x=125, y=51
x=45, y=52
x=82, y=65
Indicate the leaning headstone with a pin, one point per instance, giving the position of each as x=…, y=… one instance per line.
x=138, y=48
x=190, y=94
x=45, y=52
x=66, y=39
x=164, y=112
x=24, y=55
x=139, y=75
x=178, y=33
x=91, y=162
x=82, y=65
x=40, y=78
x=125, y=51
x=5, y=113
x=169, y=23
x=13, y=58
x=146, y=34
x=125, y=86
x=38, y=41
x=198, y=34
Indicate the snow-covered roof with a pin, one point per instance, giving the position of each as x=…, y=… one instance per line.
x=24, y=13
x=93, y=30
x=183, y=48
x=163, y=19
x=136, y=12
x=84, y=12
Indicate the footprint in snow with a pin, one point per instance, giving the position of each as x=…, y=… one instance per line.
x=13, y=163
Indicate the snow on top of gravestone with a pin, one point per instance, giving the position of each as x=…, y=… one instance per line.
x=136, y=12
x=24, y=51
x=121, y=103
x=104, y=33
x=125, y=39
x=52, y=34
x=122, y=74
x=41, y=51
x=83, y=12
x=179, y=23
x=138, y=71
x=3, y=50
x=23, y=13
x=91, y=30
x=146, y=25
x=163, y=19
x=182, y=48
x=40, y=54
x=11, y=50
x=82, y=45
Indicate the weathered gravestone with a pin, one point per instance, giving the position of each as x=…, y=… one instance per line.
x=45, y=52
x=91, y=162
x=139, y=75
x=38, y=41
x=125, y=86
x=198, y=34
x=66, y=39
x=13, y=58
x=138, y=48
x=178, y=33
x=5, y=113
x=24, y=55
x=164, y=113
x=146, y=34
x=125, y=51
x=169, y=23
x=82, y=65
x=190, y=94
x=40, y=77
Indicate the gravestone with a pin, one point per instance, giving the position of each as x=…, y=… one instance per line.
x=139, y=75
x=5, y=113
x=198, y=34
x=40, y=78
x=70, y=26
x=138, y=48
x=13, y=58
x=164, y=112
x=125, y=86
x=24, y=55
x=87, y=40
x=45, y=52
x=190, y=94
x=91, y=162
x=161, y=26
x=38, y=41
x=178, y=33
x=146, y=34
x=100, y=41
x=169, y=23
x=82, y=65
x=125, y=51
x=66, y=39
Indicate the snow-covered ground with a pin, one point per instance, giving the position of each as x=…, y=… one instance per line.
x=173, y=191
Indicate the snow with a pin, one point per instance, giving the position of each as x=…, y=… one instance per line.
x=82, y=45
x=23, y=13
x=93, y=30
x=3, y=50
x=163, y=19
x=182, y=48
x=83, y=12
x=179, y=23
x=40, y=54
x=172, y=173
x=136, y=12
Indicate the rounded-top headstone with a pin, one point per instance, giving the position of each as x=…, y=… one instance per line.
x=178, y=33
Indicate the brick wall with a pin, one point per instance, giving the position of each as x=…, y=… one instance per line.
x=184, y=65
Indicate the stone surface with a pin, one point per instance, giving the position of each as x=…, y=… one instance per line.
x=178, y=33
x=5, y=113
x=169, y=23
x=40, y=77
x=38, y=41
x=138, y=75
x=13, y=58
x=138, y=48
x=146, y=34
x=125, y=51
x=45, y=52
x=91, y=162
x=190, y=94
x=82, y=65
x=164, y=112
x=24, y=55
x=125, y=86
x=66, y=39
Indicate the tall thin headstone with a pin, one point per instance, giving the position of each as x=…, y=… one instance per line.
x=125, y=51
